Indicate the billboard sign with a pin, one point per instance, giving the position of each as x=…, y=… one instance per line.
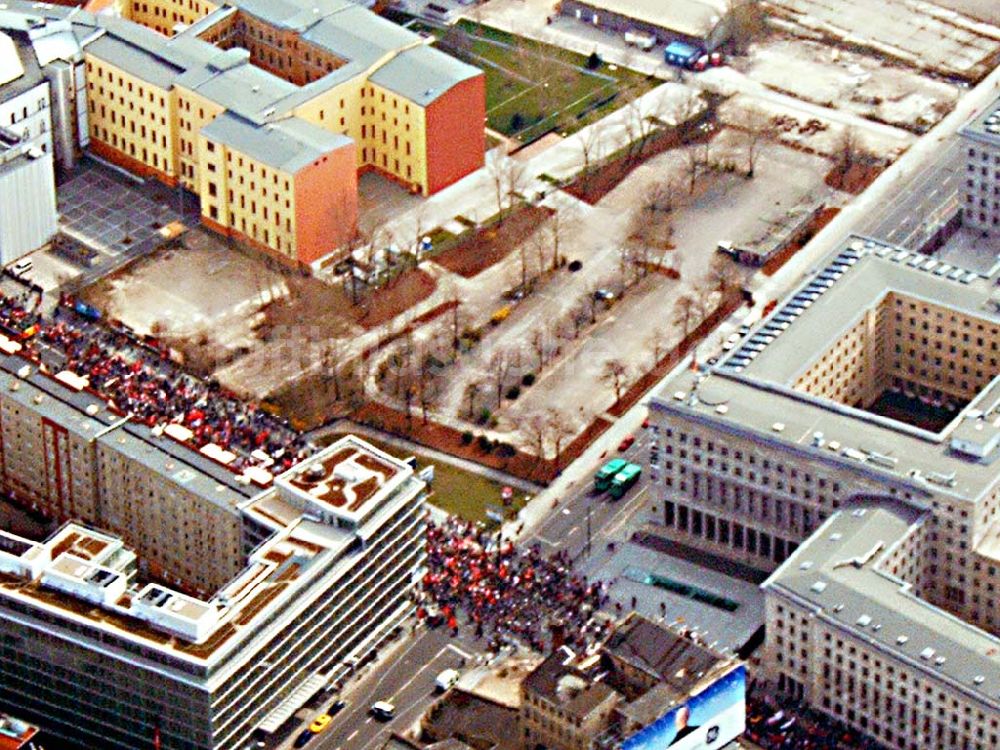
x=707, y=720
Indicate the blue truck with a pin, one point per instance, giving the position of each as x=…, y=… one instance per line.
x=682, y=54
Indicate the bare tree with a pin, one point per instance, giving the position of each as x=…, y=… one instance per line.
x=658, y=341
x=697, y=159
x=590, y=141
x=538, y=344
x=723, y=274
x=748, y=22
x=757, y=129
x=848, y=150
x=538, y=427
x=556, y=229
x=523, y=253
x=684, y=107
x=561, y=429
x=499, y=367
x=689, y=310
x=615, y=374
x=471, y=391
x=507, y=177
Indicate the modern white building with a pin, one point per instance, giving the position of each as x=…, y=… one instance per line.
x=101, y=660
x=27, y=197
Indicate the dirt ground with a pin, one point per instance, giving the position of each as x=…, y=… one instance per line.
x=859, y=83
x=485, y=247
x=924, y=35
x=203, y=291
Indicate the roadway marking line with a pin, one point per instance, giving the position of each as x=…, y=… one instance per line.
x=613, y=529
x=459, y=651
x=356, y=732
x=572, y=531
x=405, y=685
x=543, y=540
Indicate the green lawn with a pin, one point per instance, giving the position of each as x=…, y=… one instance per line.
x=533, y=87
x=455, y=490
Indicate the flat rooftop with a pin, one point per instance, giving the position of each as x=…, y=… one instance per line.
x=985, y=127
x=750, y=390
x=837, y=573
x=346, y=480
x=83, y=575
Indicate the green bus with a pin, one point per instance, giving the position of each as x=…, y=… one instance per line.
x=602, y=479
x=624, y=479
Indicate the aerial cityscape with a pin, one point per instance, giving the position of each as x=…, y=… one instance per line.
x=499, y=375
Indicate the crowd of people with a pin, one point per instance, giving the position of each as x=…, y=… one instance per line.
x=777, y=727
x=141, y=381
x=505, y=593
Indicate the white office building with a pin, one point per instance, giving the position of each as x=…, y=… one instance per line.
x=100, y=659
x=27, y=197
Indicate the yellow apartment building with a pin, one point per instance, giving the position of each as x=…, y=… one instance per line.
x=340, y=90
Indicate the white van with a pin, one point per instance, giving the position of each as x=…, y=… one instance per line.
x=640, y=39
x=446, y=680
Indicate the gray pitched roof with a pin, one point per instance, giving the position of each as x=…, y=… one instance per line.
x=422, y=74
x=288, y=145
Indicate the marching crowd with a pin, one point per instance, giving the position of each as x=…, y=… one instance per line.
x=774, y=727
x=507, y=593
x=143, y=382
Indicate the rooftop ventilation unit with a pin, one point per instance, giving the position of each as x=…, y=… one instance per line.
x=927, y=654
x=864, y=621
x=819, y=587
x=902, y=640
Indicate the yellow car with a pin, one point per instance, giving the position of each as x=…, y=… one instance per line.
x=320, y=723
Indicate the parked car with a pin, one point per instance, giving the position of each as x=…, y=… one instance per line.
x=320, y=723
x=605, y=295
x=575, y=265
x=645, y=423
x=626, y=443
x=382, y=710
x=303, y=739
x=336, y=707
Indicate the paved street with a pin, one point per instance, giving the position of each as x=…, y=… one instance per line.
x=920, y=203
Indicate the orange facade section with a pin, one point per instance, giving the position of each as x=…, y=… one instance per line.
x=456, y=135
x=326, y=203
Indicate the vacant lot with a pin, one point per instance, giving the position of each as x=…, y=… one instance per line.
x=203, y=291
x=859, y=83
x=923, y=35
